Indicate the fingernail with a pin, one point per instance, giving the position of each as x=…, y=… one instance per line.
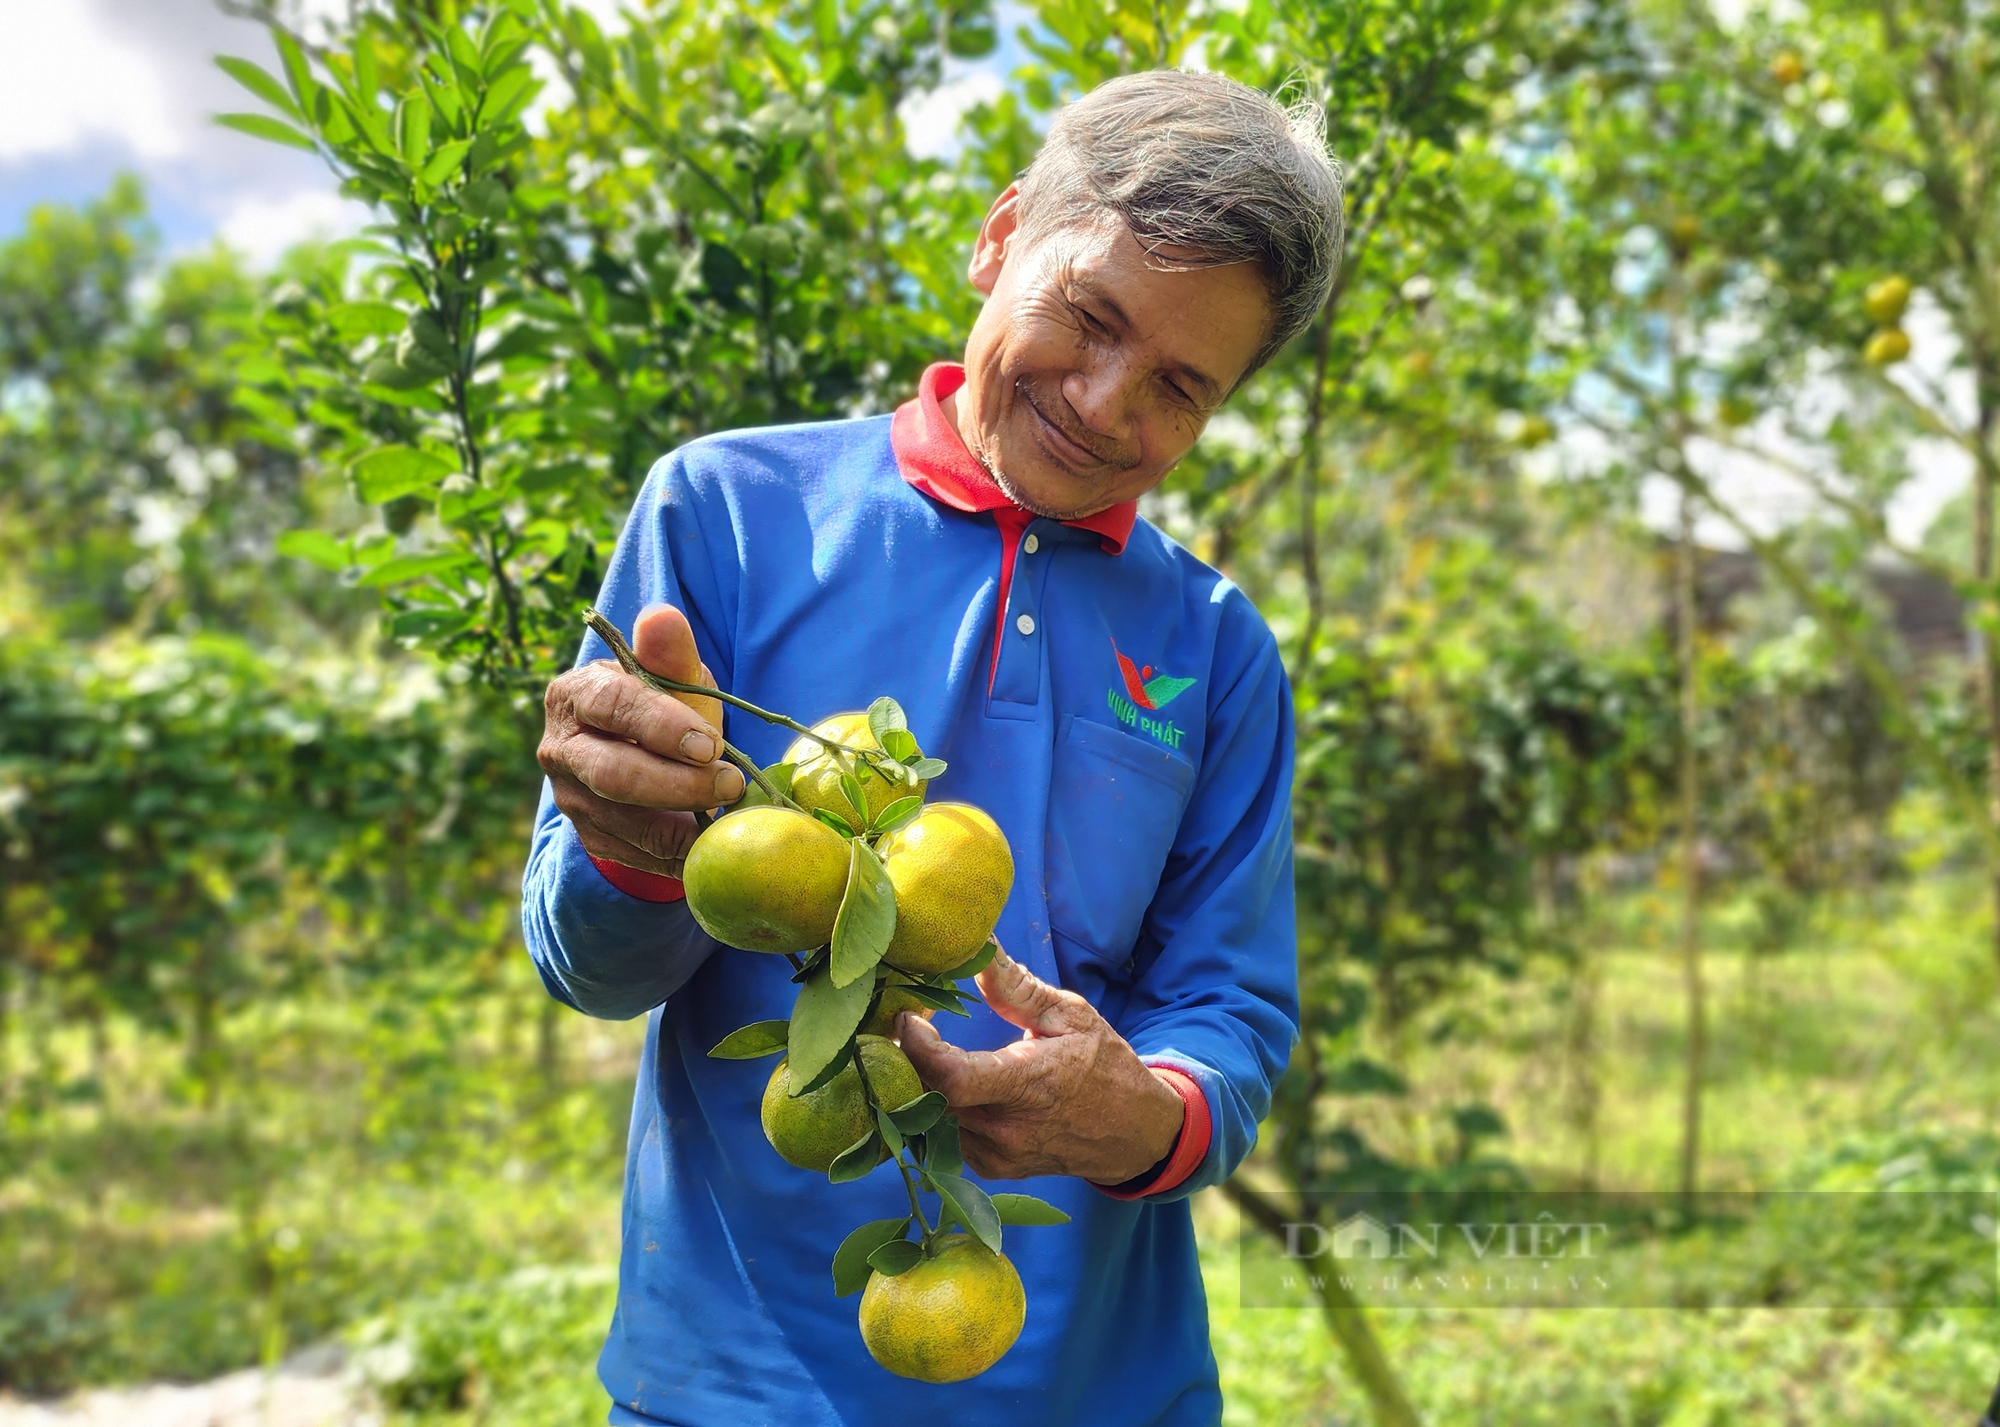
x=697, y=746
x=729, y=783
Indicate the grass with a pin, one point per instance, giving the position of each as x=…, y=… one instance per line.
x=409, y=1176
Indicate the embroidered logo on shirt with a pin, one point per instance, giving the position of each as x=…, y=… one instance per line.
x=1147, y=692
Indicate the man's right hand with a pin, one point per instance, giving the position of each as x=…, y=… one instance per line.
x=630, y=765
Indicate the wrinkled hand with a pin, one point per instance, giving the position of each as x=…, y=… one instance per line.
x=1069, y=1097
x=630, y=766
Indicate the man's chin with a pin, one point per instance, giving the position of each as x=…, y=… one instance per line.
x=1065, y=498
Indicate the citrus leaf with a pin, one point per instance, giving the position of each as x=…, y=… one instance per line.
x=895, y=1257
x=891, y=1136
x=850, y=1260
x=941, y=1152
x=428, y=623
x=259, y=82
x=824, y=1020
x=391, y=471
x=866, y=922
x=885, y=716
x=900, y=744
x=850, y=789
x=416, y=567
x=928, y=768
x=315, y=546
x=973, y=1208
x=920, y=1114
x=1025, y=1209
x=751, y=1041
x=834, y=820
x=981, y=959
x=856, y=1160
x=352, y=321
x=936, y=999
x=263, y=126
x=897, y=813
x=839, y=1063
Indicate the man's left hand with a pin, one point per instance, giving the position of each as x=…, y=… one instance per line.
x=1070, y=1097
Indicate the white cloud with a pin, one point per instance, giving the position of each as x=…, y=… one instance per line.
x=66, y=80
x=930, y=119
x=262, y=228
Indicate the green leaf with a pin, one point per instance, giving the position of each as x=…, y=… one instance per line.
x=427, y=623
x=263, y=126
x=867, y=918
x=824, y=1020
x=413, y=128
x=973, y=1208
x=488, y=198
x=391, y=471
x=856, y=1160
x=981, y=959
x=834, y=820
x=508, y=91
x=298, y=69
x=315, y=546
x=900, y=744
x=351, y=321
x=885, y=715
x=850, y=1260
x=260, y=83
x=934, y=997
x=415, y=567
x=850, y=789
x=760, y=1038
x=891, y=1136
x=920, y=1114
x=444, y=163
x=897, y=813
x=941, y=1152
x=929, y=768
x=898, y=1256
x=840, y=1062
x=1026, y=1210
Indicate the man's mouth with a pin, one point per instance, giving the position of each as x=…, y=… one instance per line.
x=1062, y=448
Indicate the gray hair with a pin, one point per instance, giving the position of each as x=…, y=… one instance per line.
x=1200, y=162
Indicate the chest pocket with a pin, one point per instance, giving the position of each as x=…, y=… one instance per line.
x=1114, y=810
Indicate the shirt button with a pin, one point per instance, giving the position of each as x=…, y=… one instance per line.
x=1026, y=624
x=1031, y=544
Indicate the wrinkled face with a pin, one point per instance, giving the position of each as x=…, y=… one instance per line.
x=1090, y=372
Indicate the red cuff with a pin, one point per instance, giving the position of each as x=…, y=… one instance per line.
x=1190, y=1149
x=646, y=886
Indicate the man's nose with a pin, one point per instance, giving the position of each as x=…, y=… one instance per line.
x=1100, y=395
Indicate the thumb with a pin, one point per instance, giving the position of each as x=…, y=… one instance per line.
x=939, y=1063
x=1017, y=995
x=664, y=642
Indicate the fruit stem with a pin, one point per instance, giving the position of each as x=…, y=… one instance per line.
x=628, y=661
x=909, y=1185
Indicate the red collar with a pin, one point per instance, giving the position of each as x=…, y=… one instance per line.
x=932, y=457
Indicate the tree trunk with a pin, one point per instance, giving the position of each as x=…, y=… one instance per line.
x=1986, y=664
x=1690, y=853
x=1345, y=1318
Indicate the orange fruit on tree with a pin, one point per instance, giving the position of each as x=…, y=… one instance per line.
x=817, y=769
x=1887, y=347
x=812, y=1129
x=765, y=878
x=950, y=1317
x=952, y=871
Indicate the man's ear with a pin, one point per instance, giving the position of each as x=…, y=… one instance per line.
x=996, y=239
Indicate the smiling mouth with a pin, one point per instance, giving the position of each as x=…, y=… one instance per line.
x=1061, y=448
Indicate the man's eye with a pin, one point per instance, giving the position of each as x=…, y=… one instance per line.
x=1179, y=393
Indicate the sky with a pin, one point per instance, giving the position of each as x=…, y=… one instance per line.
x=90, y=88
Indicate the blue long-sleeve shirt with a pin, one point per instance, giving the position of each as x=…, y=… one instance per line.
x=1131, y=735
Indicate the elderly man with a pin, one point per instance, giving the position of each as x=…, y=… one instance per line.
x=1116, y=705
